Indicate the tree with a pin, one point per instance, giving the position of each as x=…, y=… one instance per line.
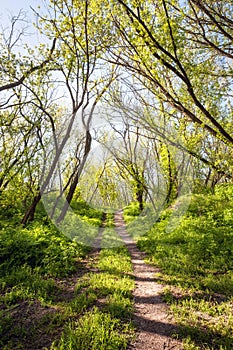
x=155, y=51
x=77, y=61
x=14, y=68
x=210, y=25
x=130, y=152
x=171, y=67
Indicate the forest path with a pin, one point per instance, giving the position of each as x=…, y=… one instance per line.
x=155, y=326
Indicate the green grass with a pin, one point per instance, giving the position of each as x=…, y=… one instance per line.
x=33, y=260
x=34, y=283
x=39, y=246
x=138, y=223
x=95, y=330
x=131, y=212
x=105, y=324
x=109, y=219
x=196, y=261
x=206, y=322
x=88, y=214
x=25, y=284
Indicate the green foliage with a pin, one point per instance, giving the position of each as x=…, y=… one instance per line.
x=94, y=331
x=106, y=185
x=131, y=211
x=138, y=225
x=109, y=220
x=35, y=263
x=38, y=246
x=24, y=283
x=30, y=259
x=196, y=258
x=81, y=302
x=205, y=322
x=199, y=251
x=88, y=214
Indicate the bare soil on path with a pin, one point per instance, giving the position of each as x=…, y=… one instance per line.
x=156, y=329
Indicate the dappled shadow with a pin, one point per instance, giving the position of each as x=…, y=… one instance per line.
x=205, y=335
x=66, y=286
x=200, y=336
x=148, y=300
x=209, y=338
x=156, y=327
x=144, y=279
x=28, y=322
x=206, y=295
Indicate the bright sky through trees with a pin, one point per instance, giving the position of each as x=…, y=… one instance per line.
x=13, y=6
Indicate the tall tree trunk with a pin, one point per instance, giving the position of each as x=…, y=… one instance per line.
x=30, y=213
x=76, y=178
x=171, y=182
x=139, y=197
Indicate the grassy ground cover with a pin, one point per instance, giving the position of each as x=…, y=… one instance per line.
x=107, y=294
x=37, y=264
x=196, y=262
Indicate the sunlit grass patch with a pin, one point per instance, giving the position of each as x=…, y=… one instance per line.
x=96, y=331
x=107, y=283
x=205, y=322
x=81, y=302
x=119, y=306
x=115, y=259
x=25, y=284
x=114, y=274
x=196, y=259
x=107, y=326
x=109, y=220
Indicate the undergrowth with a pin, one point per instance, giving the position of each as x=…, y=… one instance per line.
x=106, y=319
x=33, y=260
x=196, y=261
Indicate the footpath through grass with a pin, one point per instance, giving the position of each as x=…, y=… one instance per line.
x=196, y=261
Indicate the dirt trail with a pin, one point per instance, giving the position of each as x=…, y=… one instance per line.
x=155, y=326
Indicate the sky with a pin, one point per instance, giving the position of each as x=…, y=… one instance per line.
x=10, y=8
x=13, y=6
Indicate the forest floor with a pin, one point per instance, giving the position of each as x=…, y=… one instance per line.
x=155, y=326
x=35, y=325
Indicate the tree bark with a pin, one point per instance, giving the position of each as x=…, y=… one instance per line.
x=75, y=181
x=30, y=213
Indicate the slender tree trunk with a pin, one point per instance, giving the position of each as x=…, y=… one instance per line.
x=171, y=181
x=139, y=197
x=76, y=178
x=30, y=213
x=208, y=177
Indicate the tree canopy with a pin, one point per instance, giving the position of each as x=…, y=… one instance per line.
x=156, y=74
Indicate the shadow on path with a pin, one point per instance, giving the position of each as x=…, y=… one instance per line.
x=156, y=330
